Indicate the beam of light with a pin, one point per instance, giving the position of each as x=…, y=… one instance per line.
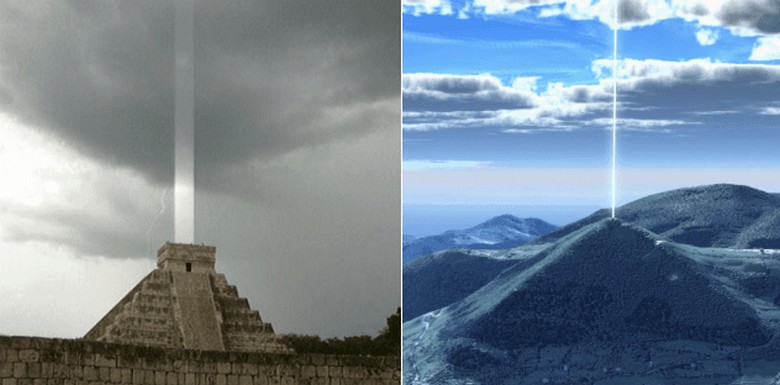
x=614, y=107
x=184, y=122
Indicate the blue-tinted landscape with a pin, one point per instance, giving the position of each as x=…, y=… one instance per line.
x=514, y=271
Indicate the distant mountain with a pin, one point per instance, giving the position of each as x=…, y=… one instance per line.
x=610, y=302
x=445, y=277
x=720, y=215
x=716, y=215
x=501, y=232
x=407, y=239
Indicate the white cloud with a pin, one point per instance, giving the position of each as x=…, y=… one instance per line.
x=706, y=36
x=770, y=111
x=56, y=195
x=419, y=7
x=740, y=17
x=766, y=48
x=650, y=93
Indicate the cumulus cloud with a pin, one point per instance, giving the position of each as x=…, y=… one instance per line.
x=706, y=36
x=654, y=95
x=437, y=92
x=418, y=7
x=766, y=48
x=740, y=17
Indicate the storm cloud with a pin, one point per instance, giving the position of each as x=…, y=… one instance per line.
x=741, y=17
x=297, y=146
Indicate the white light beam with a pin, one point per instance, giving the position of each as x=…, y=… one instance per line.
x=614, y=107
x=184, y=122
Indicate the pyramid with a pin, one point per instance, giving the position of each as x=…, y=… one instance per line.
x=185, y=304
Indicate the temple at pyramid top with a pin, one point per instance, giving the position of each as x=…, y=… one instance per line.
x=184, y=303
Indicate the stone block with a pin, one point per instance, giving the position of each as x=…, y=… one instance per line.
x=223, y=367
x=105, y=360
x=20, y=370
x=335, y=381
x=149, y=377
x=308, y=371
x=24, y=381
x=39, y=381
x=172, y=378
x=76, y=372
x=34, y=370
x=125, y=375
x=332, y=360
x=259, y=380
x=29, y=355
x=321, y=381
x=90, y=373
x=220, y=379
x=47, y=369
x=159, y=377
x=322, y=371
x=115, y=375
x=244, y=380
x=9, y=381
x=11, y=355
x=287, y=370
x=335, y=371
x=6, y=369
x=248, y=369
x=288, y=381
x=138, y=376
x=88, y=359
x=232, y=379
x=189, y=379
x=355, y=372
x=210, y=367
x=104, y=374
x=60, y=370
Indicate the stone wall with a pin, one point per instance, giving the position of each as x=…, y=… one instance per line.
x=44, y=361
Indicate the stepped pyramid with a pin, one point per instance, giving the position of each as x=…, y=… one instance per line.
x=184, y=303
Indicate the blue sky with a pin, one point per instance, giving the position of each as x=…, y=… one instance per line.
x=508, y=102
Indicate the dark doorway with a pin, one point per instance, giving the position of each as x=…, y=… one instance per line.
x=189, y=267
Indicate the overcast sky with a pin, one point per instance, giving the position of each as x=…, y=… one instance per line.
x=297, y=155
x=510, y=101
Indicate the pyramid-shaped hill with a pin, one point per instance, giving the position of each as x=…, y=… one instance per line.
x=720, y=215
x=609, y=295
x=185, y=304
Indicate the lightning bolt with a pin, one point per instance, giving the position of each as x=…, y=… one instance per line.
x=154, y=221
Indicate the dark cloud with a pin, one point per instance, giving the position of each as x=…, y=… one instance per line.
x=97, y=74
x=297, y=146
x=433, y=92
x=274, y=76
x=761, y=16
x=270, y=77
x=656, y=96
x=632, y=11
